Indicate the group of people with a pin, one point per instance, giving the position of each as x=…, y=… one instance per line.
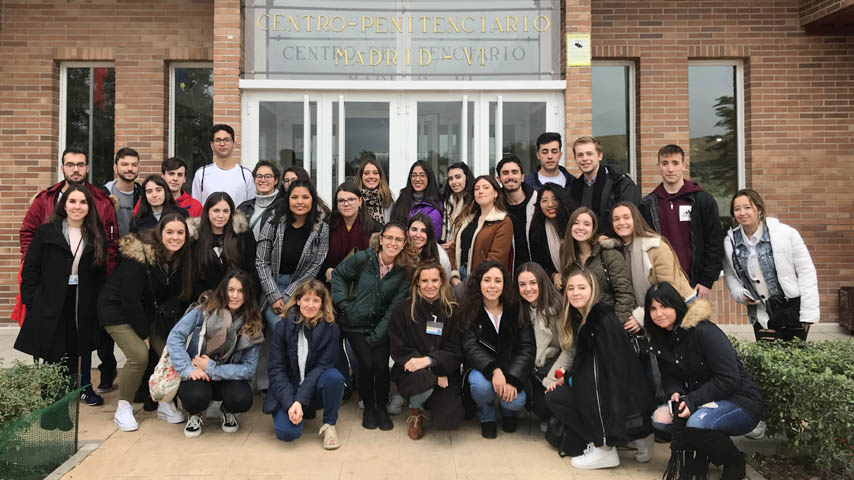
x=572, y=297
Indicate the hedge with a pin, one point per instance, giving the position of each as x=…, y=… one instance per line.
x=808, y=388
x=27, y=387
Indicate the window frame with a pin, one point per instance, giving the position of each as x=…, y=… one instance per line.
x=171, y=128
x=63, y=111
x=631, y=98
x=739, y=107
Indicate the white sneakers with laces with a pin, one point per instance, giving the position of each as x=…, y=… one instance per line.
x=194, y=426
x=124, y=418
x=596, y=457
x=229, y=422
x=644, y=448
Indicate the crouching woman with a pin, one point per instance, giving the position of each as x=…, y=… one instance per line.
x=425, y=347
x=221, y=369
x=302, y=369
x=713, y=396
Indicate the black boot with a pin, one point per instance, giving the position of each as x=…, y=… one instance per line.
x=719, y=449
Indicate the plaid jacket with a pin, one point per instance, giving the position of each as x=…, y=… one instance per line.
x=268, y=257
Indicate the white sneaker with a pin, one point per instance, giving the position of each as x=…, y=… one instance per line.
x=194, y=426
x=644, y=448
x=212, y=413
x=395, y=404
x=124, y=418
x=597, y=457
x=168, y=412
x=361, y=404
x=758, y=432
x=229, y=423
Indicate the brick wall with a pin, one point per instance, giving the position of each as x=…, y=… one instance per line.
x=813, y=10
x=799, y=112
x=139, y=37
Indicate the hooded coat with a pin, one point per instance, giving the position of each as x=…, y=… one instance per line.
x=409, y=339
x=697, y=360
x=217, y=269
x=44, y=284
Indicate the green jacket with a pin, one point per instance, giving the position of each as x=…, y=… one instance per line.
x=369, y=310
x=617, y=292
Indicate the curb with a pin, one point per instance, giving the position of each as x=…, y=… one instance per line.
x=752, y=474
x=76, y=459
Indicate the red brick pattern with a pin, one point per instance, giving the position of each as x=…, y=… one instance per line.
x=813, y=10
x=799, y=111
x=139, y=37
x=228, y=50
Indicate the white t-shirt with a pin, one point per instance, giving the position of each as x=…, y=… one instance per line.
x=237, y=182
x=558, y=180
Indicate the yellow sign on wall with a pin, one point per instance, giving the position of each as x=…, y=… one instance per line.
x=578, y=49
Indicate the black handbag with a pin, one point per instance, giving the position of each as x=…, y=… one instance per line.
x=783, y=312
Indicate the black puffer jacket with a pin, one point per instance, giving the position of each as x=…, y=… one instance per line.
x=511, y=349
x=697, y=360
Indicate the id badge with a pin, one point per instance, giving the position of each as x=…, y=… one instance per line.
x=434, y=327
x=72, y=279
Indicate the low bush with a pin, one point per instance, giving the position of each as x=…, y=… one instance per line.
x=808, y=388
x=26, y=388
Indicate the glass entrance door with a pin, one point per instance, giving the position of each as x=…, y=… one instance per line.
x=331, y=133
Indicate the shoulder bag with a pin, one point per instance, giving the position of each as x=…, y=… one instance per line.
x=164, y=382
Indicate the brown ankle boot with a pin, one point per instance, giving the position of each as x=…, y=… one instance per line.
x=416, y=423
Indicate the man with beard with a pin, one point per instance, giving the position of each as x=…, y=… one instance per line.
x=75, y=169
x=520, y=205
x=124, y=187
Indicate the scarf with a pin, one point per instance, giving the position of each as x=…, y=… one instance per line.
x=640, y=279
x=372, y=201
x=223, y=335
x=554, y=242
x=455, y=208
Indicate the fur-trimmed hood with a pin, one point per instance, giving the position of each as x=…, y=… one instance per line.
x=700, y=310
x=133, y=248
x=238, y=222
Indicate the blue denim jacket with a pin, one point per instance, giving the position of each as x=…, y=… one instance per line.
x=765, y=255
x=241, y=365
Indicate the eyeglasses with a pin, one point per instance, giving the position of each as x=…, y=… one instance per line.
x=416, y=176
x=389, y=238
x=222, y=141
x=347, y=201
x=75, y=165
x=264, y=176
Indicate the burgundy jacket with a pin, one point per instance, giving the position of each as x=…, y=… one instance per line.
x=43, y=205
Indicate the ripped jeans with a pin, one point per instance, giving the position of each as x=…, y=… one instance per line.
x=725, y=417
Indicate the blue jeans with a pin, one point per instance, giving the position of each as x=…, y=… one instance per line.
x=269, y=315
x=417, y=400
x=484, y=396
x=728, y=418
x=327, y=394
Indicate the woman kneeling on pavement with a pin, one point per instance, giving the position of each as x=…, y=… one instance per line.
x=425, y=347
x=602, y=401
x=498, y=346
x=302, y=369
x=232, y=339
x=712, y=396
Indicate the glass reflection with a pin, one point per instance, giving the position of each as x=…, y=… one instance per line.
x=611, y=114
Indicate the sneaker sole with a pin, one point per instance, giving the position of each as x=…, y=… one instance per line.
x=171, y=419
x=230, y=429
x=192, y=434
x=126, y=428
x=331, y=447
x=596, y=466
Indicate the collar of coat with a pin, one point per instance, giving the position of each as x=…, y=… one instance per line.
x=495, y=215
x=132, y=247
x=699, y=311
x=238, y=223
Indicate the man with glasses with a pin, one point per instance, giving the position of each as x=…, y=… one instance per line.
x=225, y=174
x=75, y=169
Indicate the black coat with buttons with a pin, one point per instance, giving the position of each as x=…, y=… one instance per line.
x=697, y=360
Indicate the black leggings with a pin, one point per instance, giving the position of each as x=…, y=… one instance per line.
x=563, y=404
x=196, y=395
x=373, y=370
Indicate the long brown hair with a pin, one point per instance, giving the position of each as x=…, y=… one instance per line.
x=641, y=228
x=446, y=295
x=326, y=311
x=573, y=319
x=569, y=249
x=203, y=254
x=217, y=299
x=471, y=208
x=92, y=228
x=383, y=188
x=181, y=260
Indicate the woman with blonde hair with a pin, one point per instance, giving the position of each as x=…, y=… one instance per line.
x=603, y=400
x=425, y=347
x=648, y=255
x=302, y=369
x=231, y=320
x=376, y=194
x=581, y=250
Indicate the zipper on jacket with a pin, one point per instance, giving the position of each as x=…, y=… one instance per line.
x=598, y=403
